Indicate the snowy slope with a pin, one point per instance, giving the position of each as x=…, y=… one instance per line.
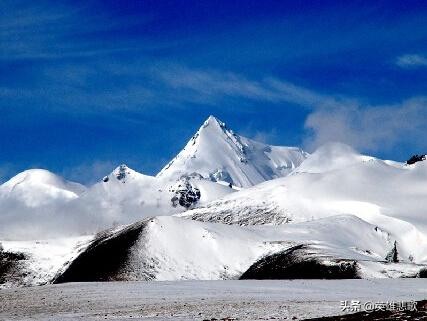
x=158, y=249
x=34, y=203
x=37, y=187
x=38, y=204
x=172, y=248
x=216, y=251
x=126, y=196
x=41, y=259
x=336, y=180
x=217, y=153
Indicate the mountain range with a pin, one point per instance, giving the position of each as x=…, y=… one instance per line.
x=225, y=207
x=214, y=163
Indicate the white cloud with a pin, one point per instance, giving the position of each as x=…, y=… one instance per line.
x=370, y=128
x=331, y=118
x=89, y=173
x=212, y=86
x=408, y=61
x=39, y=30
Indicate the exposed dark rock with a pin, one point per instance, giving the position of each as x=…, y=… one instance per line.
x=193, y=175
x=416, y=158
x=250, y=216
x=221, y=175
x=106, y=258
x=422, y=274
x=122, y=172
x=10, y=266
x=392, y=256
x=186, y=194
x=105, y=179
x=296, y=263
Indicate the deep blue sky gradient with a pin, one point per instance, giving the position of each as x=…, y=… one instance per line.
x=87, y=85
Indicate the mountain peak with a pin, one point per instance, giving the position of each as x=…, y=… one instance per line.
x=211, y=128
x=213, y=125
x=37, y=176
x=34, y=175
x=36, y=187
x=121, y=172
x=217, y=153
x=212, y=120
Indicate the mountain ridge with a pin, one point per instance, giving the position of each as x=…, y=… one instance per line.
x=214, y=163
x=219, y=154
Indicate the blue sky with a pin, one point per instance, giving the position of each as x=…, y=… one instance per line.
x=87, y=85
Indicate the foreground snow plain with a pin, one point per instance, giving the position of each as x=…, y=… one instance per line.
x=200, y=300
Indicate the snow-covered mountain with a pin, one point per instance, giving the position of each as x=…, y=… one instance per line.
x=37, y=187
x=171, y=248
x=126, y=196
x=39, y=204
x=219, y=154
x=35, y=201
x=34, y=204
x=37, y=262
x=348, y=215
x=285, y=214
x=335, y=180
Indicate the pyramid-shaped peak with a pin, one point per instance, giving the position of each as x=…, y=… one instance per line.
x=216, y=153
x=213, y=121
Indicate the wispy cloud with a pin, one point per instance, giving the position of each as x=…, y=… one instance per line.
x=370, y=128
x=330, y=117
x=411, y=61
x=213, y=85
x=89, y=173
x=105, y=85
x=45, y=30
x=265, y=136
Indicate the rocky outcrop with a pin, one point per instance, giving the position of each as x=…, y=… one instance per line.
x=185, y=194
x=105, y=259
x=11, y=270
x=416, y=158
x=298, y=263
